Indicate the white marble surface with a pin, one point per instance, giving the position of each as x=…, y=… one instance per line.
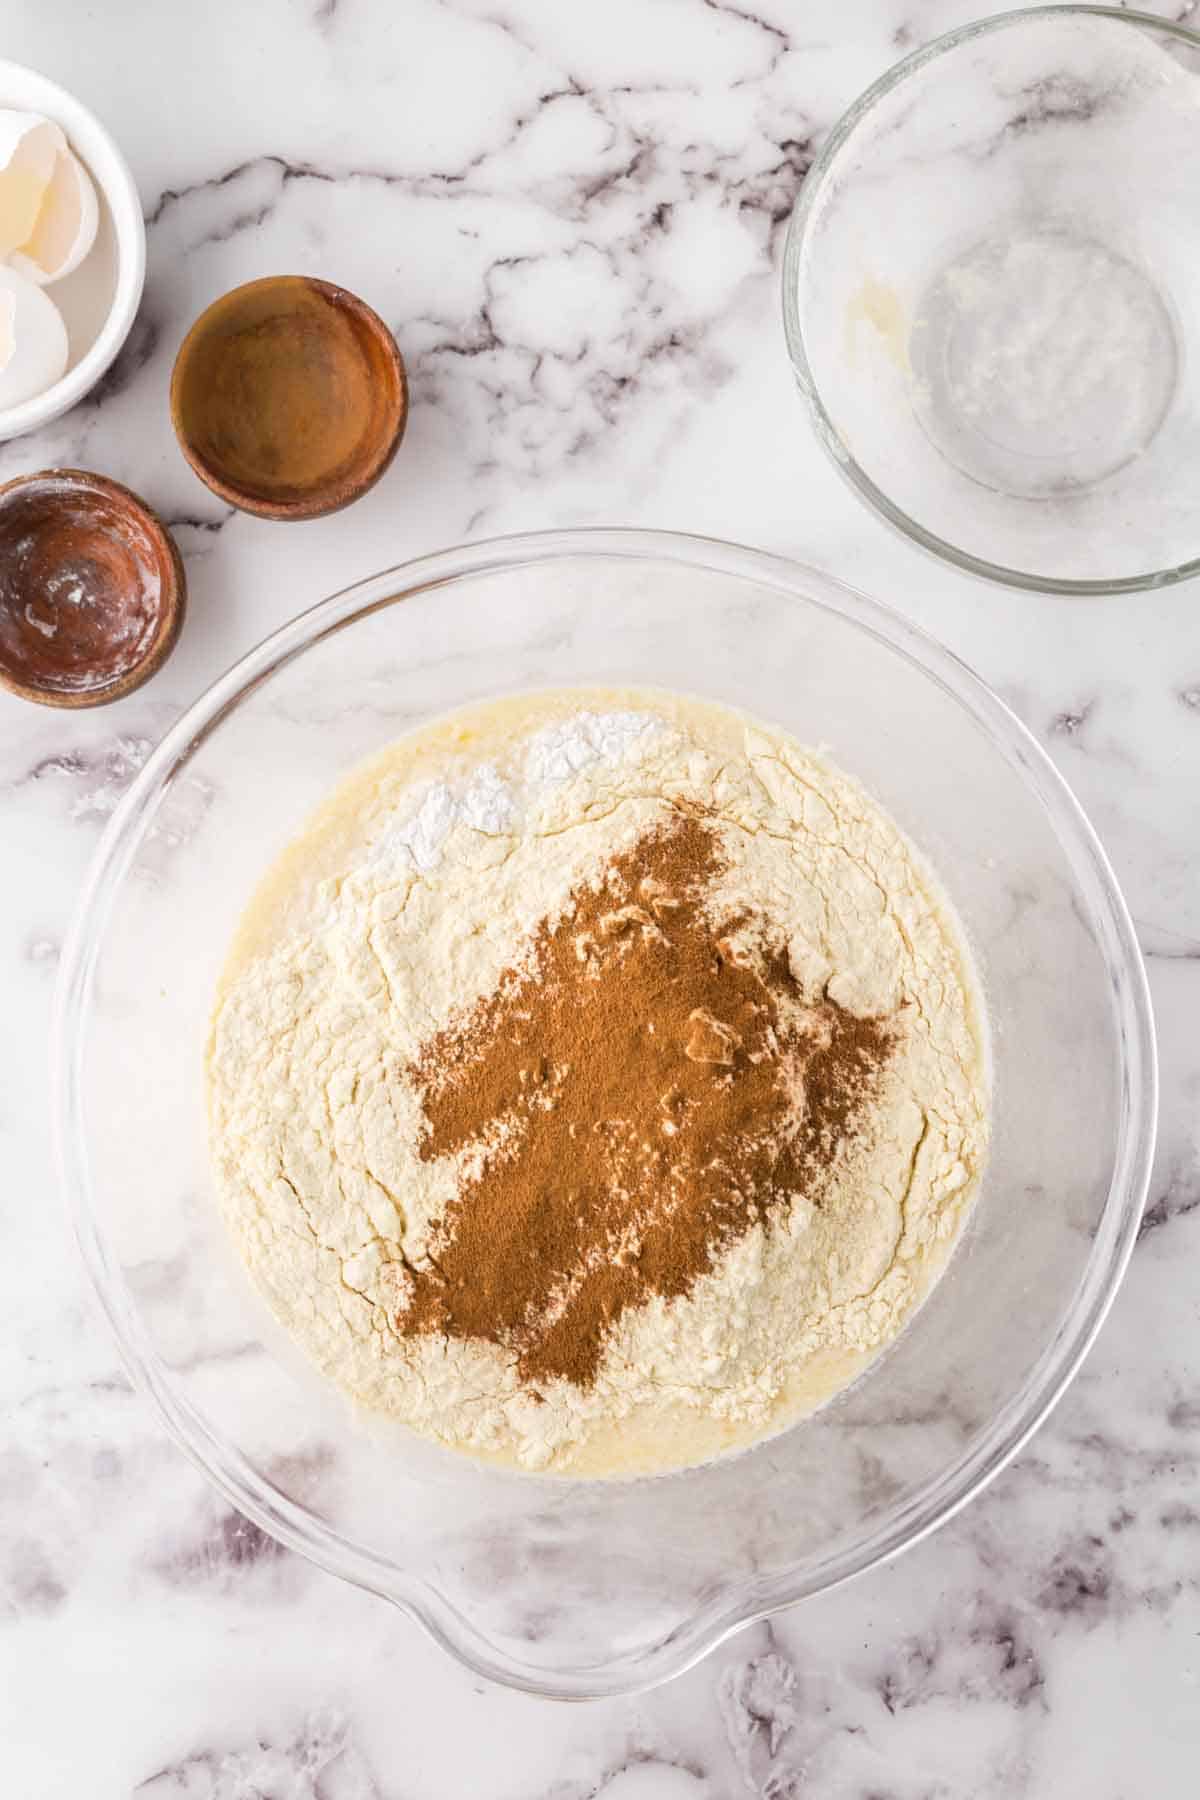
x=571, y=215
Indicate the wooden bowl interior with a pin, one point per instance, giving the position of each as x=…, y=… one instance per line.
x=289, y=397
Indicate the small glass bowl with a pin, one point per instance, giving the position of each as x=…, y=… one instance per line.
x=566, y=1587
x=990, y=298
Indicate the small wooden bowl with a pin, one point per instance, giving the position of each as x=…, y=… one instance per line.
x=289, y=397
x=92, y=589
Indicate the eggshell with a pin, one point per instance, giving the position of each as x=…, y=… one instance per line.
x=33, y=340
x=66, y=225
x=29, y=148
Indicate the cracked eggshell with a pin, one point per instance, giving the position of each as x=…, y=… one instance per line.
x=30, y=145
x=33, y=340
x=99, y=299
x=65, y=228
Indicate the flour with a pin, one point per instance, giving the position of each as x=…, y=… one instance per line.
x=485, y=804
x=442, y=880
x=571, y=745
x=488, y=804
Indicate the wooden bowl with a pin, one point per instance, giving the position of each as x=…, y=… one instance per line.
x=289, y=397
x=92, y=589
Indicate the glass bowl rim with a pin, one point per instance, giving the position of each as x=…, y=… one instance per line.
x=801, y=220
x=905, y=1522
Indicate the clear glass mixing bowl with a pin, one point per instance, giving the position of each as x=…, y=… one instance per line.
x=990, y=298
x=565, y=1587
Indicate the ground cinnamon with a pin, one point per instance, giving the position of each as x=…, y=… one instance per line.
x=643, y=1090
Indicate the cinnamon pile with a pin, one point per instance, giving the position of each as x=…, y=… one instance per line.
x=640, y=1093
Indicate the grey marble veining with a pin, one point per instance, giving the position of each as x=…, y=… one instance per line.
x=572, y=218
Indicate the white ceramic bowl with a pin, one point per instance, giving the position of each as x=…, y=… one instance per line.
x=100, y=300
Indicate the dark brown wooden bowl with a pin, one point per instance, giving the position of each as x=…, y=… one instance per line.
x=92, y=589
x=289, y=397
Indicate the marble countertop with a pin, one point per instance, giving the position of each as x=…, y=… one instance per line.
x=572, y=217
